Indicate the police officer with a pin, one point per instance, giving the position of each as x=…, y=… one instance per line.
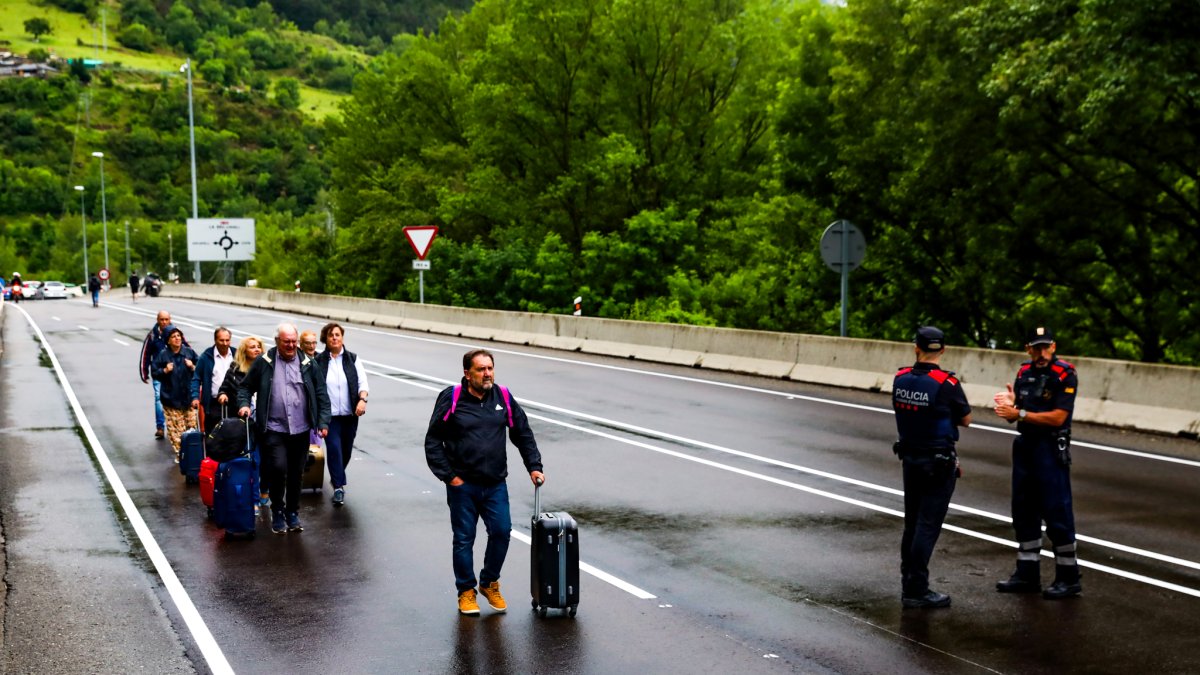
x=930, y=405
x=1041, y=403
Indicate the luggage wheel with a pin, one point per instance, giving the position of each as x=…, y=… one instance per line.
x=572, y=611
x=542, y=612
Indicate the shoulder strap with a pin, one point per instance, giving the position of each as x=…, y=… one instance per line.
x=453, y=402
x=503, y=394
x=507, y=404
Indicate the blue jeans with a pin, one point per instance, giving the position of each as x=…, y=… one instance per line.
x=160, y=422
x=468, y=503
x=338, y=446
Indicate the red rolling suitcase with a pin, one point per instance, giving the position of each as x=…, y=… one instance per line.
x=208, y=478
x=554, y=558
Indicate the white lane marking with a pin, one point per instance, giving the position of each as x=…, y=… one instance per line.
x=520, y=536
x=696, y=380
x=767, y=460
x=191, y=616
x=121, y=342
x=644, y=431
x=598, y=573
x=83, y=326
x=848, y=500
x=56, y=318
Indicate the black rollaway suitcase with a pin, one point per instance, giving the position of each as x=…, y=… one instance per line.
x=554, y=557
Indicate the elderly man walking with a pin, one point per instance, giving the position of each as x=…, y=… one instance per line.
x=292, y=400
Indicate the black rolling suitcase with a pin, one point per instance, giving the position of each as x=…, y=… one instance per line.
x=554, y=572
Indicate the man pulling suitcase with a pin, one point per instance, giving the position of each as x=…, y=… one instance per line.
x=465, y=449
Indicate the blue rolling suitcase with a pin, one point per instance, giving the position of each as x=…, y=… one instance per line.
x=191, y=453
x=554, y=556
x=234, y=494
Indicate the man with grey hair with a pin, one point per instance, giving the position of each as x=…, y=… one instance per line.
x=292, y=400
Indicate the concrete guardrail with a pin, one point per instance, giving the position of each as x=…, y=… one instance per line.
x=1124, y=394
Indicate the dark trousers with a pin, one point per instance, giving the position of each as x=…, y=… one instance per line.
x=928, y=486
x=212, y=415
x=1041, y=491
x=338, y=446
x=468, y=504
x=283, y=458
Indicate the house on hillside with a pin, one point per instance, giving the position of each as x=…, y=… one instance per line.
x=12, y=65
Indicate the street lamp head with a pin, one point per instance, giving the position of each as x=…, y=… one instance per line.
x=184, y=67
x=98, y=154
x=79, y=187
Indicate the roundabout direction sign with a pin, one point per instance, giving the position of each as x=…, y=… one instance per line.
x=843, y=248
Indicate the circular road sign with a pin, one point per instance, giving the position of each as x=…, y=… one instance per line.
x=103, y=274
x=832, y=249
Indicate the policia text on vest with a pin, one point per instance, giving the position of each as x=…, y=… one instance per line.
x=930, y=405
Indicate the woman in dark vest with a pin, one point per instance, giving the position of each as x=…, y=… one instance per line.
x=346, y=381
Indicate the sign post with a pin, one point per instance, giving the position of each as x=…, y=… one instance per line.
x=843, y=248
x=420, y=238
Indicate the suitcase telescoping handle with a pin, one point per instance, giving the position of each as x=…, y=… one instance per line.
x=537, y=497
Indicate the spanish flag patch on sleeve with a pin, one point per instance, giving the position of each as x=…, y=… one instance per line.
x=1070, y=390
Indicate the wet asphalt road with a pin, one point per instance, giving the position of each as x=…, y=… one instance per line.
x=697, y=488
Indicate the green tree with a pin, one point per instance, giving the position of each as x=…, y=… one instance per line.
x=37, y=27
x=138, y=37
x=287, y=93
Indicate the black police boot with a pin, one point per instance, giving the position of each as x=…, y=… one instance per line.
x=930, y=600
x=1026, y=579
x=1066, y=583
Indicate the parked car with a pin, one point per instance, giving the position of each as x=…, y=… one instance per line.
x=152, y=284
x=54, y=290
x=74, y=290
x=32, y=291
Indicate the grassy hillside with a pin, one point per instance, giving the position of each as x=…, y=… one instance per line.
x=69, y=30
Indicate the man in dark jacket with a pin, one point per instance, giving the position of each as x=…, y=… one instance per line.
x=210, y=373
x=94, y=287
x=292, y=400
x=154, y=343
x=465, y=449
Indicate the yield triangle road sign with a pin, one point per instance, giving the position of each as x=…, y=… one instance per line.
x=420, y=238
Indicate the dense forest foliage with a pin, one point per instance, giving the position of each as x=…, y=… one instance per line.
x=1009, y=162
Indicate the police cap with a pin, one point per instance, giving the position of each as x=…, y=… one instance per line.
x=1040, y=336
x=930, y=339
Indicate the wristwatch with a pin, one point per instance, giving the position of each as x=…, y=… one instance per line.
x=1021, y=413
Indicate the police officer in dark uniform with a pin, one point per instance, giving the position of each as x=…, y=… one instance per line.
x=930, y=405
x=1041, y=403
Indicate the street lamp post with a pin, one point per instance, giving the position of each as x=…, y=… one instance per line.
x=103, y=208
x=171, y=256
x=83, y=226
x=128, y=269
x=187, y=67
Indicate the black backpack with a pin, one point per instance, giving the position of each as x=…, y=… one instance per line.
x=230, y=439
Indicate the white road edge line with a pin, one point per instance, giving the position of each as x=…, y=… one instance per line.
x=191, y=616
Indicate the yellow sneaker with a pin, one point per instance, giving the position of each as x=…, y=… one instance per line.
x=492, y=593
x=467, y=603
